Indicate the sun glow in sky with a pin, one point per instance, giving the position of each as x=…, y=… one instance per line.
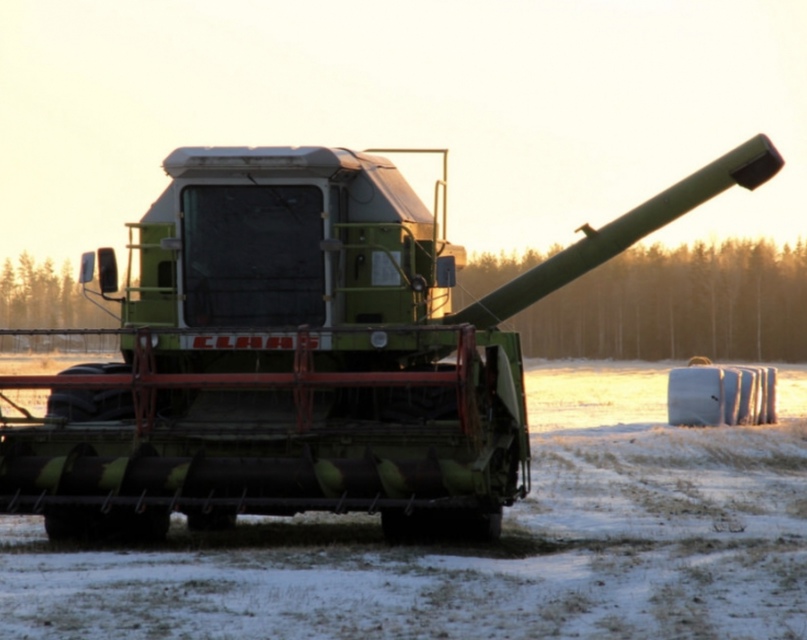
x=555, y=113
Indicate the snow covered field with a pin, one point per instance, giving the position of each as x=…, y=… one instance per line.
x=633, y=529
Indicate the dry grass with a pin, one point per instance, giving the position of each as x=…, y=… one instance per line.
x=680, y=614
x=798, y=508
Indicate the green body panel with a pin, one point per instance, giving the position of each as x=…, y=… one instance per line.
x=154, y=301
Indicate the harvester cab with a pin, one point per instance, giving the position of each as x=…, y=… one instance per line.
x=285, y=237
x=289, y=345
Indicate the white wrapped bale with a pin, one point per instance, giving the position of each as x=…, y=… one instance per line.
x=742, y=394
x=749, y=395
x=772, y=374
x=695, y=396
x=762, y=393
x=731, y=394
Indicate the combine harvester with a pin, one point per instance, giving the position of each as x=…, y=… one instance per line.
x=290, y=346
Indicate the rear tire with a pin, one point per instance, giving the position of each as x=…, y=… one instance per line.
x=88, y=405
x=419, y=405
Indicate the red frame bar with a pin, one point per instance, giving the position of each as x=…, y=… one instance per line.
x=144, y=381
x=233, y=380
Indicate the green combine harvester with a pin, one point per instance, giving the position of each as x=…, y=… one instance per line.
x=290, y=346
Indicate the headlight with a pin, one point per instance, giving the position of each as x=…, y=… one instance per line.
x=379, y=339
x=155, y=339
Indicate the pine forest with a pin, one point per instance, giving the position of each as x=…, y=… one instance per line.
x=742, y=300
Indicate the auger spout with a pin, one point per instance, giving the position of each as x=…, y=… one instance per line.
x=749, y=165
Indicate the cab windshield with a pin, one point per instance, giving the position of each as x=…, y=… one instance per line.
x=251, y=256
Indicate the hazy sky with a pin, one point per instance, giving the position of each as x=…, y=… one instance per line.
x=556, y=112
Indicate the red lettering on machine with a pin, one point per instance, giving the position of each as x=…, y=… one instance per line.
x=251, y=342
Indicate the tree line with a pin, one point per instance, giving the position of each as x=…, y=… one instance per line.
x=37, y=296
x=742, y=300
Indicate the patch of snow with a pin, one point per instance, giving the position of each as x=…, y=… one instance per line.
x=634, y=528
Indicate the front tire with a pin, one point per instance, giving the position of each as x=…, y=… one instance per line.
x=464, y=525
x=85, y=524
x=213, y=521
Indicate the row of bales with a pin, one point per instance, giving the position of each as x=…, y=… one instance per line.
x=709, y=395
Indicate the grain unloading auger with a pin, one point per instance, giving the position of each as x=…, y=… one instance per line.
x=290, y=346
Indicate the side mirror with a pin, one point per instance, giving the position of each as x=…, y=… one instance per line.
x=446, y=271
x=87, y=267
x=107, y=270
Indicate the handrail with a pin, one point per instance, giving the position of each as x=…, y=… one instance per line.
x=380, y=247
x=438, y=186
x=133, y=246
